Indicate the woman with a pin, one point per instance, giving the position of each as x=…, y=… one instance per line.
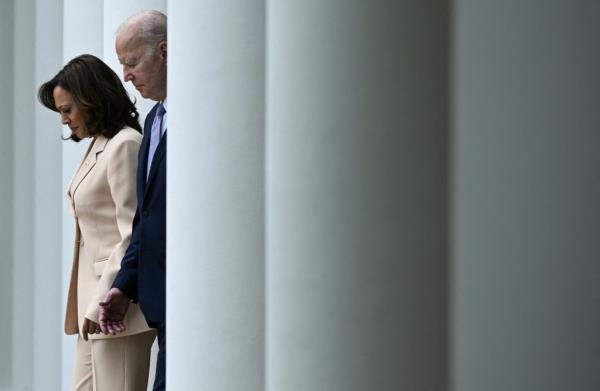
x=92, y=101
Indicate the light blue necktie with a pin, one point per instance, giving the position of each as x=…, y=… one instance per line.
x=155, y=135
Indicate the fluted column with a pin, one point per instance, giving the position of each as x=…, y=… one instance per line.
x=357, y=136
x=215, y=227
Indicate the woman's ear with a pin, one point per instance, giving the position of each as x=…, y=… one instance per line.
x=162, y=47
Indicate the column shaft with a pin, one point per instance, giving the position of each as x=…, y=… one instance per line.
x=525, y=196
x=45, y=235
x=356, y=195
x=6, y=192
x=215, y=227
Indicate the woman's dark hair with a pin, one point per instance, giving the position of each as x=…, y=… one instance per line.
x=98, y=91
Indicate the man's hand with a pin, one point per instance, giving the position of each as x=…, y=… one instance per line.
x=113, y=308
x=89, y=327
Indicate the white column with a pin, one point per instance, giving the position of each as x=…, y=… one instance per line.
x=23, y=133
x=356, y=195
x=526, y=195
x=215, y=227
x=115, y=13
x=47, y=195
x=6, y=194
x=36, y=315
x=82, y=34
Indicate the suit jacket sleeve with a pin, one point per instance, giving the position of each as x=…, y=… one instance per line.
x=121, y=171
x=126, y=279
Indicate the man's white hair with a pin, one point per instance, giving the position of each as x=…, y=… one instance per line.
x=150, y=28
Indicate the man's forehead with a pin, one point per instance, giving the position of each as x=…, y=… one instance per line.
x=127, y=37
x=127, y=50
x=130, y=52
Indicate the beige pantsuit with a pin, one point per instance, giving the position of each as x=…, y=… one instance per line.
x=103, y=201
x=113, y=363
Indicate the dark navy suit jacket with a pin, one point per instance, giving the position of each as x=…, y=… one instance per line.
x=143, y=271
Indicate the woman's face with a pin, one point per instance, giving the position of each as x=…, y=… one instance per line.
x=70, y=113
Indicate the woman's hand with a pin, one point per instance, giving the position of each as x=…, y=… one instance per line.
x=113, y=309
x=89, y=327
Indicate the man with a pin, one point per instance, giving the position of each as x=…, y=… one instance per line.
x=141, y=46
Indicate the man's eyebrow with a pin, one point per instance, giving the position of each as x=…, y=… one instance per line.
x=123, y=59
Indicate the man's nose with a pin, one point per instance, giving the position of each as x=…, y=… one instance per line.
x=127, y=76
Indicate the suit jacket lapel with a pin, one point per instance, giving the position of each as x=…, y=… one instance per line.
x=87, y=164
x=142, y=164
x=143, y=157
x=159, y=155
x=144, y=182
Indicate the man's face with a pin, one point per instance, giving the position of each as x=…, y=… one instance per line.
x=144, y=67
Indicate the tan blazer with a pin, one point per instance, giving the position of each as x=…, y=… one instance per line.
x=102, y=199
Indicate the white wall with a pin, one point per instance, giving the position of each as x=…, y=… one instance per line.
x=526, y=196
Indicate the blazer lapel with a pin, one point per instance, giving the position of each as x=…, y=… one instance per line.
x=142, y=164
x=159, y=155
x=70, y=187
x=87, y=164
x=143, y=155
